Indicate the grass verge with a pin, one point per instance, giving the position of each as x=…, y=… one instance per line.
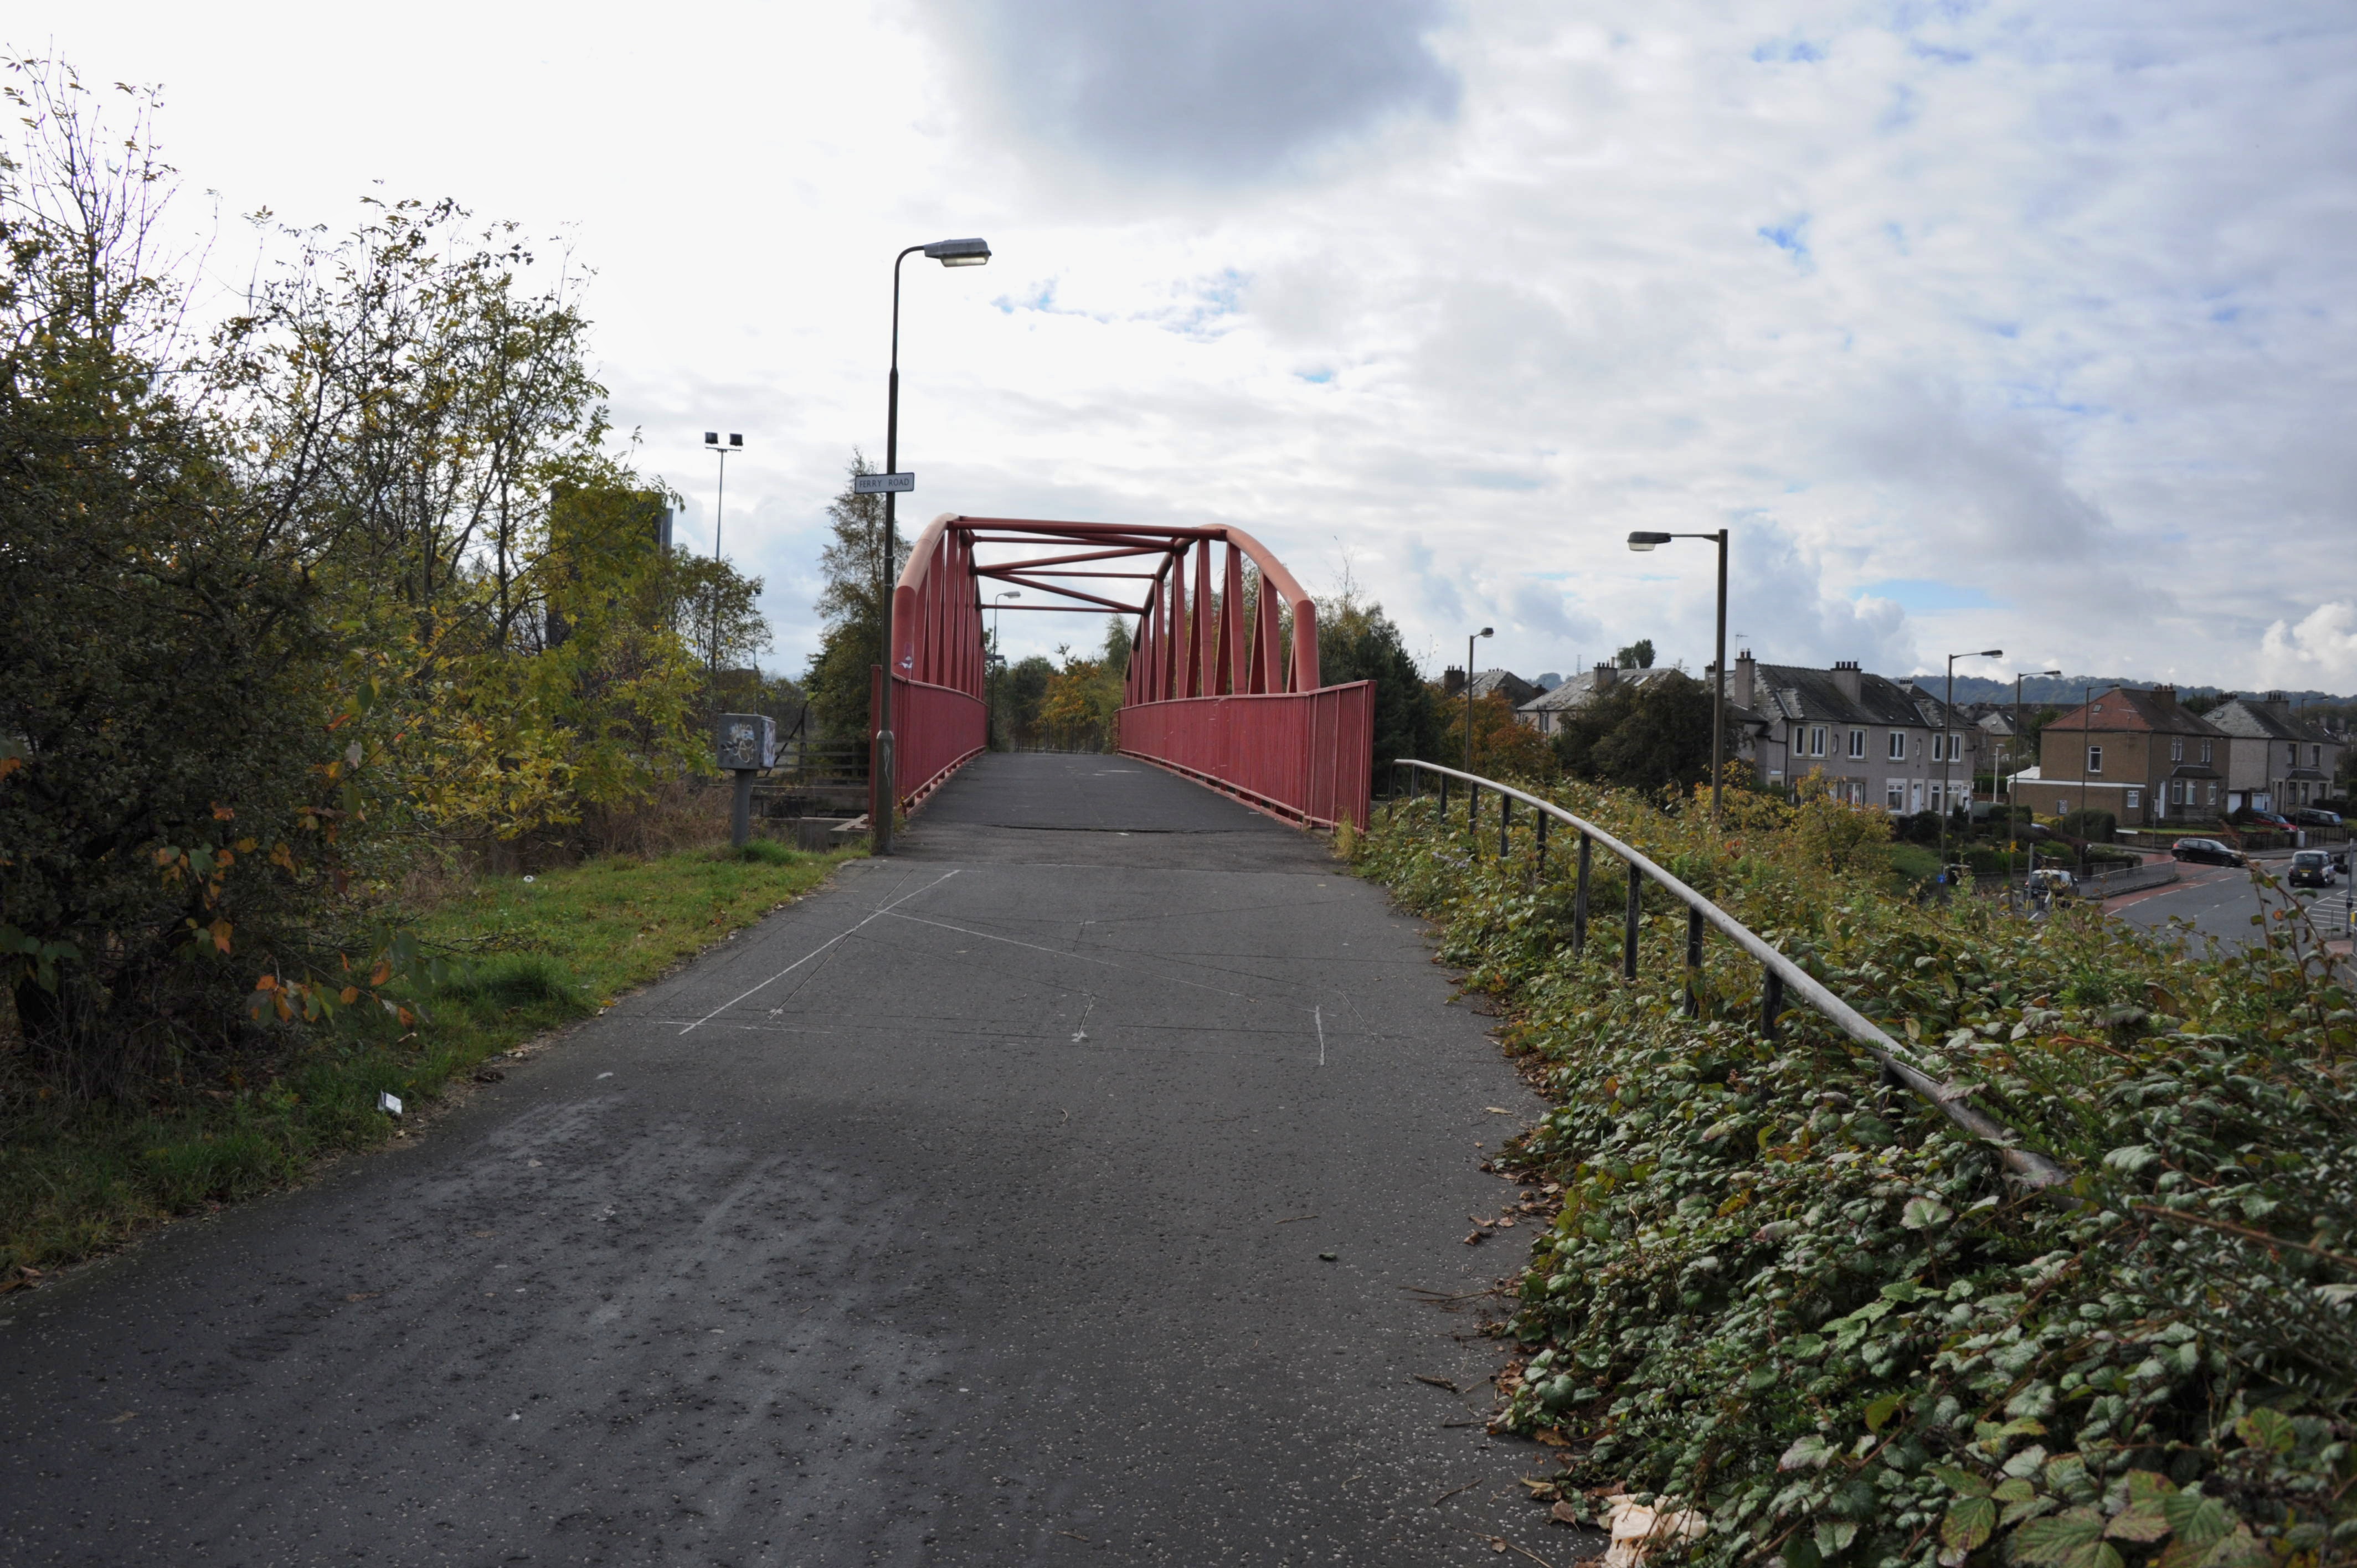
x=528, y=955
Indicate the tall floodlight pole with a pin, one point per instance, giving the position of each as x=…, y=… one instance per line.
x=735, y=447
x=1485, y=631
x=883, y=797
x=996, y=658
x=2012, y=782
x=1646, y=540
x=1948, y=745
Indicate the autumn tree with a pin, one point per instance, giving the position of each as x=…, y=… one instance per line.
x=854, y=577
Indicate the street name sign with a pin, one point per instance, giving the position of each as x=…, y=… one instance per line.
x=877, y=484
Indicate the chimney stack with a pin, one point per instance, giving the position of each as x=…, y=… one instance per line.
x=1605, y=676
x=1848, y=678
x=1740, y=680
x=1452, y=682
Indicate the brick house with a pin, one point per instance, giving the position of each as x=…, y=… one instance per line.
x=2139, y=755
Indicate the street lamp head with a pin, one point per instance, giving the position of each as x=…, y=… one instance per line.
x=1992, y=653
x=711, y=438
x=736, y=440
x=959, y=253
x=1647, y=541
x=1488, y=631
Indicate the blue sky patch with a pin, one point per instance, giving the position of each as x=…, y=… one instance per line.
x=1788, y=52
x=1925, y=593
x=1791, y=236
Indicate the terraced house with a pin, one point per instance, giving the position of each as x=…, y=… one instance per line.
x=1875, y=741
x=2275, y=760
x=2139, y=755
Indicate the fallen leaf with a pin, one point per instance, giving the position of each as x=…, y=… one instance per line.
x=1551, y=1437
x=364, y=1295
x=1437, y=1382
x=1566, y=1512
x=119, y=1420
x=1475, y=1236
x=1497, y=1110
x=1506, y=1221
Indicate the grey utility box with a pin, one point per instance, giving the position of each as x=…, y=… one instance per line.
x=747, y=741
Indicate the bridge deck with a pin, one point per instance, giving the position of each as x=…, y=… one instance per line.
x=968, y=1212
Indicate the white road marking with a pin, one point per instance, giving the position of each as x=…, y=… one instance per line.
x=823, y=947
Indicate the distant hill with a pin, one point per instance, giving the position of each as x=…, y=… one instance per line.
x=2066, y=691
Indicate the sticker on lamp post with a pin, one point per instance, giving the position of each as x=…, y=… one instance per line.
x=878, y=484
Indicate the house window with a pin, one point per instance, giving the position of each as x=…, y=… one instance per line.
x=2293, y=759
x=2205, y=751
x=2094, y=759
x=1894, y=792
x=2315, y=756
x=2213, y=792
x=2177, y=751
x=2136, y=799
x=1817, y=740
x=2177, y=792
x=1857, y=743
x=1897, y=750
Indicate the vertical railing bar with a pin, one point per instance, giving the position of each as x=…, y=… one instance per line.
x=1505, y=823
x=1538, y=870
x=1772, y=1001
x=1579, y=897
x=1694, y=960
x=1636, y=913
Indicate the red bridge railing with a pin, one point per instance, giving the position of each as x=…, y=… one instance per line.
x=937, y=730
x=1307, y=755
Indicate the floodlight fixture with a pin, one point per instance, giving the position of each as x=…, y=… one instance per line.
x=1643, y=541
x=959, y=252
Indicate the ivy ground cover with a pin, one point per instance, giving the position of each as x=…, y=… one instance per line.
x=1805, y=1305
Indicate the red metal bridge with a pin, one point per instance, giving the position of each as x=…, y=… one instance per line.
x=1222, y=683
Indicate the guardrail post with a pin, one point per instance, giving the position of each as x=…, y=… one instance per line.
x=1579, y=897
x=1693, y=961
x=1538, y=873
x=1444, y=800
x=1636, y=913
x=1473, y=811
x=1771, y=1002
x=1505, y=822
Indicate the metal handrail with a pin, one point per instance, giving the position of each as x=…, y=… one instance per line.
x=1780, y=973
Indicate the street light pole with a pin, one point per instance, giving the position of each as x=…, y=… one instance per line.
x=1646, y=540
x=2012, y=783
x=1485, y=631
x=883, y=798
x=997, y=659
x=720, y=495
x=1948, y=746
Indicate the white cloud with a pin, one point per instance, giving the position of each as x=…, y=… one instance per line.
x=2321, y=650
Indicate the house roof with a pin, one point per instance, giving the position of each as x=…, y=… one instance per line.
x=1792, y=692
x=2249, y=718
x=1491, y=682
x=1575, y=692
x=2127, y=710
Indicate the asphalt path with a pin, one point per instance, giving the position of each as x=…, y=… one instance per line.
x=973, y=1210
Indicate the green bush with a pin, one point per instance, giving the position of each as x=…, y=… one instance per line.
x=1817, y=1311
x=2095, y=826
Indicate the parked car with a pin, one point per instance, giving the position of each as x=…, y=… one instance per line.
x=2208, y=852
x=2053, y=882
x=2313, y=868
x=2316, y=817
x=2268, y=820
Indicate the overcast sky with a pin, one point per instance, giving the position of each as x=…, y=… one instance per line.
x=1979, y=325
